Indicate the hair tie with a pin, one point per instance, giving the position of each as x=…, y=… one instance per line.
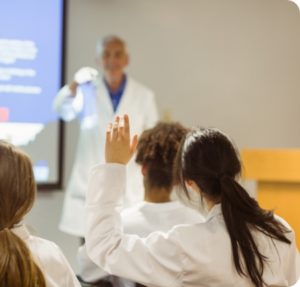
x=224, y=176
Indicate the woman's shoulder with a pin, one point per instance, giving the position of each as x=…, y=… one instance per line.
x=48, y=256
x=45, y=250
x=283, y=222
x=52, y=261
x=35, y=243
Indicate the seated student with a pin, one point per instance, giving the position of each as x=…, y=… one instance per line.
x=239, y=244
x=156, y=153
x=25, y=260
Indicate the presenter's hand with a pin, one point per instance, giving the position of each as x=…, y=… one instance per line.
x=82, y=76
x=73, y=88
x=119, y=147
x=85, y=75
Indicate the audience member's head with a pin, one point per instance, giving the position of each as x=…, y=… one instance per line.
x=156, y=152
x=112, y=57
x=17, y=195
x=209, y=164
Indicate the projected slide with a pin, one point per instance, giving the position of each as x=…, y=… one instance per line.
x=30, y=75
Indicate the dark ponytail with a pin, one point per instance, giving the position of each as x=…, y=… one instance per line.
x=241, y=214
x=209, y=158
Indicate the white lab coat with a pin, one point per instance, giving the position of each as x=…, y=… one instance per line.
x=50, y=259
x=189, y=255
x=147, y=217
x=93, y=106
x=141, y=220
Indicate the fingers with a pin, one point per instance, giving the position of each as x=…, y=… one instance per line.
x=120, y=128
x=134, y=143
x=126, y=126
x=108, y=133
x=119, y=148
x=115, y=129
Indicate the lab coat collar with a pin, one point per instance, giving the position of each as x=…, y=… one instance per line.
x=160, y=206
x=215, y=211
x=21, y=231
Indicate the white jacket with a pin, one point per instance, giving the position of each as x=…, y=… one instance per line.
x=189, y=255
x=141, y=219
x=92, y=105
x=50, y=259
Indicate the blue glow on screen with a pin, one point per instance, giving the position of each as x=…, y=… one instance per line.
x=30, y=53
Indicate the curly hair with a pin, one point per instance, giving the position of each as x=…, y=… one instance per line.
x=157, y=150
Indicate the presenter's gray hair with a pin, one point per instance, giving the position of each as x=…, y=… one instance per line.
x=108, y=39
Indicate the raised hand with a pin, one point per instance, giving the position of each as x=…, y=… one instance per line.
x=119, y=147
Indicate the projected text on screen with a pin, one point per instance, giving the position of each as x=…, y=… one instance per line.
x=30, y=76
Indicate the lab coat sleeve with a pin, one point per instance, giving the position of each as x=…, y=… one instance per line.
x=88, y=270
x=291, y=259
x=66, y=105
x=292, y=262
x=155, y=260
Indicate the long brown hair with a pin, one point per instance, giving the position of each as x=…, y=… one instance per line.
x=17, y=194
x=209, y=158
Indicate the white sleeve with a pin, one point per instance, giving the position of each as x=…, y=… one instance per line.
x=292, y=266
x=88, y=270
x=66, y=105
x=292, y=258
x=155, y=260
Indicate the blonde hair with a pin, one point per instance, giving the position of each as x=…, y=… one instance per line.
x=17, y=195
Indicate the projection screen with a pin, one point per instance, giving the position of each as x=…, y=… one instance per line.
x=31, y=72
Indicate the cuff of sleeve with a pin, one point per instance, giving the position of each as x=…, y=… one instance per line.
x=107, y=184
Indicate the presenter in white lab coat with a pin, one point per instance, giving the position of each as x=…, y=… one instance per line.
x=95, y=97
x=155, y=154
x=239, y=244
x=25, y=260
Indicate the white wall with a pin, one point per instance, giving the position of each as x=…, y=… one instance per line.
x=233, y=64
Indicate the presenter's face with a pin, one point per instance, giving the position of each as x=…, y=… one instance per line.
x=114, y=60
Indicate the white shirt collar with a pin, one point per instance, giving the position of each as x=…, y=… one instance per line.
x=215, y=211
x=21, y=231
x=160, y=206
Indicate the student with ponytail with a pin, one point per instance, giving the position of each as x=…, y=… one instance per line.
x=25, y=260
x=239, y=244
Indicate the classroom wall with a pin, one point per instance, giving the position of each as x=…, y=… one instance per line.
x=233, y=64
